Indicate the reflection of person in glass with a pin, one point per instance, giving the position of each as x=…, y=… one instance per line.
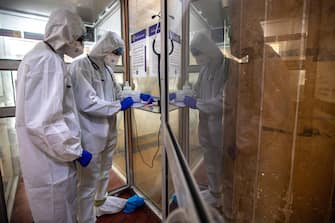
x=208, y=99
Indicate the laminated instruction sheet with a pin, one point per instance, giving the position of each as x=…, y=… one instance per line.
x=138, y=52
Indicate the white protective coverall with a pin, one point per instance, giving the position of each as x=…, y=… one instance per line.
x=47, y=124
x=209, y=95
x=97, y=97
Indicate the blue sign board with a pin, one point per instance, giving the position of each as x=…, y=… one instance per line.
x=154, y=29
x=138, y=36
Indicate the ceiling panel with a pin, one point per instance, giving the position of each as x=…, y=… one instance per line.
x=89, y=10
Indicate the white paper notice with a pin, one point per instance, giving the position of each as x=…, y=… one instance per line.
x=138, y=51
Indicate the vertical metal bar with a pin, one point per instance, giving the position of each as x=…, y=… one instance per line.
x=3, y=208
x=184, y=113
x=165, y=183
x=13, y=88
x=164, y=111
x=127, y=114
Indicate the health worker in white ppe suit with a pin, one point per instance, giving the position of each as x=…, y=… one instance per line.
x=47, y=124
x=208, y=99
x=99, y=99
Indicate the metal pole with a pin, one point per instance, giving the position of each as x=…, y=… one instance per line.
x=164, y=117
x=127, y=114
x=3, y=208
x=184, y=112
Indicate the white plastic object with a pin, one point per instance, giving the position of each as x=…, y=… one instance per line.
x=135, y=95
x=126, y=86
x=187, y=89
x=112, y=205
x=180, y=96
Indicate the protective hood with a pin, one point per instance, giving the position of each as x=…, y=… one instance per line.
x=204, y=44
x=63, y=27
x=109, y=42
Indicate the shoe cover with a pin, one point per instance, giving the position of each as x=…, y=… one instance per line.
x=133, y=203
x=214, y=201
x=112, y=205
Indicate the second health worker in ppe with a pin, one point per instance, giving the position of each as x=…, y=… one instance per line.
x=98, y=101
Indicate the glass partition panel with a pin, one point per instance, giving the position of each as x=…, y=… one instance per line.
x=261, y=107
x=144, y=66
x=112, y=22
x=201, y=95
x=147, y=154
x=12, y=42
x=7, y=88
x=17, y=39
x=9, y=160
x=15, y=48
x=197, y=23
x=143, y=29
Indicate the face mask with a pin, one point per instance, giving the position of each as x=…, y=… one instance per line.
x=74, y=49
x=111, y=59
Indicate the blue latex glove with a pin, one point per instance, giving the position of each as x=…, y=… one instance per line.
x=146, y=97
x=126, y=103
x=172, y=96
x=85, y=158
x=174, y=198
x=190, y=102
x=133, y=203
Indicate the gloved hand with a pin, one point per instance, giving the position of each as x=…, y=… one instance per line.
x=85, y=158
x=126, y=103
x=146, y=97
x=172, y=96
x=133, y=203
x=190, y=102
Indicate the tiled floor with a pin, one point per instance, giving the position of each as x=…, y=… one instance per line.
x=22, y=214
x=147, y=177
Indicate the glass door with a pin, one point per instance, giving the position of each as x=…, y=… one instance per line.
x=256, y=100
x=144, y=19
x=177, y=117
x=9, y=158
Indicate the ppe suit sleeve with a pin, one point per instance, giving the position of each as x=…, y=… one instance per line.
x=118, y=91
x=213, y=105
x=86, y=97
x=43, y=113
